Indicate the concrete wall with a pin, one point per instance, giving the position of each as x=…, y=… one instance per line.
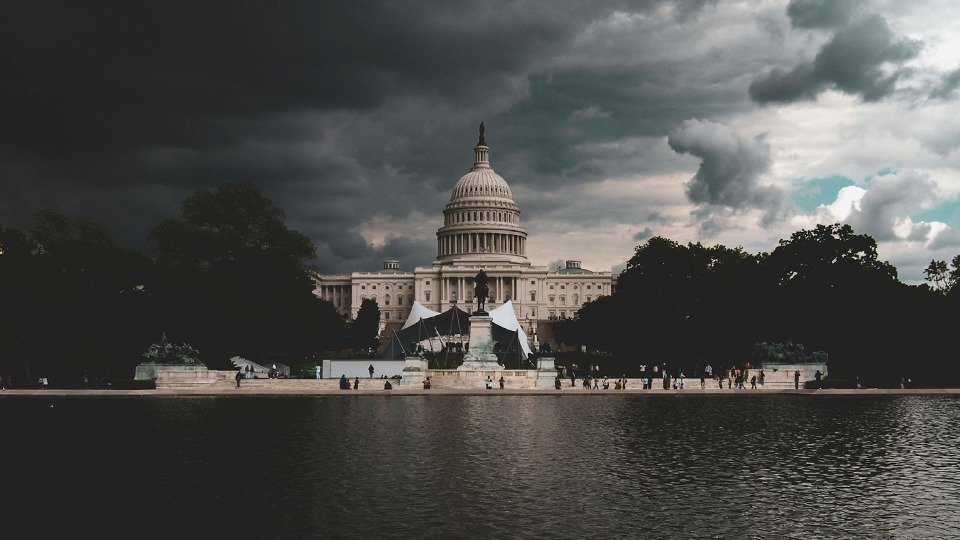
x=334, y=368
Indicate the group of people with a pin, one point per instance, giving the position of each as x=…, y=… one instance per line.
x=345, y=383
x=489, y=382
x=593, y=382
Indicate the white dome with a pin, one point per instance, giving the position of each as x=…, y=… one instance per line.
x=481, y=183
x=481, y=222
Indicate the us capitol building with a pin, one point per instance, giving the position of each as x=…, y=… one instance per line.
x=481, y=229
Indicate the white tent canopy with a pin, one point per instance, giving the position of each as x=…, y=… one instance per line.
x=505, y=317
x=424, y=324
x=417, y=312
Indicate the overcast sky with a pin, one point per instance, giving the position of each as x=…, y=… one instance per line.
x=734, y=123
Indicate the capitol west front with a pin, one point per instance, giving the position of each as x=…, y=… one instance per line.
x=481, y=229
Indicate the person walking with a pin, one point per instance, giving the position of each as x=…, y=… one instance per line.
x=238, y=376
x=370, y=369
x=502, y=382
x=753, y=382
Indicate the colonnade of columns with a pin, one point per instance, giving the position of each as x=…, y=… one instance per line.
x=333, y=293
x=456, y=288
x=454, y=244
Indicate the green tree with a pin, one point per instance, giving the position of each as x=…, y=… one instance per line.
x=234, y=223
x=71, y=297
x=366, y=326
x=938, y=274
x=235, y=280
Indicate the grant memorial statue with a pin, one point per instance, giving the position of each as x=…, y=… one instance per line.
x=481, y=291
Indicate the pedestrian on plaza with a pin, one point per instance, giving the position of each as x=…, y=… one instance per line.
x=45, y=383
x=818, y=375
x=796, y=380
x=370, y=369
x=624, y=381
x=762, y=377
x=501, y=382
x=596, y=382
x=556, y=382
x=618, y=385
x=344, y=383
x=606, y=382
x=753, y=382
x=489, y=383
x=356, y=383
x=426, y=383
x=703, y=382
x=387, y=385
x=238, y=376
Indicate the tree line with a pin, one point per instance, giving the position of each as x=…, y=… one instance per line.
x=229, y=278
x=825, y=288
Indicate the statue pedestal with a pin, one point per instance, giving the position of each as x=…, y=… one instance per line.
x=480, y=357
x=546, y=372
x=414, y=371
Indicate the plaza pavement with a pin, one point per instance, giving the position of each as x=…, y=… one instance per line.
x=220, y=391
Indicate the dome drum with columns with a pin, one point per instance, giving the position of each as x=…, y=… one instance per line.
x=481, y=218
x=481, y=229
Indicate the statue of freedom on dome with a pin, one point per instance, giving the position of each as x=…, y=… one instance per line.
x=481, y=142
x=480, y=291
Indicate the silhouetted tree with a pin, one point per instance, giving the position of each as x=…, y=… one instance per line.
x=235, y=280
x=365, y=327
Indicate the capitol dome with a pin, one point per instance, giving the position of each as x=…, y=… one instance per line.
x=481, y=222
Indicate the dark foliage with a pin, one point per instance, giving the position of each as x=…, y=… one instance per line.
x=825, y=288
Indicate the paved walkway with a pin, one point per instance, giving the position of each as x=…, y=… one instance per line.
x=279, y=391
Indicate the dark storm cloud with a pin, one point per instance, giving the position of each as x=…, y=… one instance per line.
x=644, y=235
x=112, y=103
x=948, y=85
x=854, y=61
x=730, y=168
x=821, y=13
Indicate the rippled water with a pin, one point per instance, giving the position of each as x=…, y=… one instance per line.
x=776, y=466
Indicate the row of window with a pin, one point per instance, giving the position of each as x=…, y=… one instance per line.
x=575, y=287
x=385, y=287
x=563, y=299
x=468, y=217
x=386, y=299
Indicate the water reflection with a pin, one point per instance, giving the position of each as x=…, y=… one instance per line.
x=517, y=466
